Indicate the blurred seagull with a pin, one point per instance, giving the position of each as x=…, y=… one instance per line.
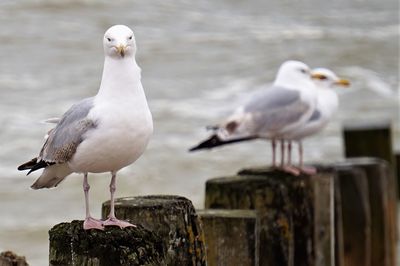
x=327, y=104
x=103, y=133
x=270, y=113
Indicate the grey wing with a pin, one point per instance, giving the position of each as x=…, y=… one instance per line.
x=275, y=108
x=315, y=115
x=64, y=139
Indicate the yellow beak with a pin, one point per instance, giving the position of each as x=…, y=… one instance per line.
x=121, y=50
x=343, y=82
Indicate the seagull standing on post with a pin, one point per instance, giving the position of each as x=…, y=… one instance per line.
x=327, y=105
x=271, y=112
x=103, y=133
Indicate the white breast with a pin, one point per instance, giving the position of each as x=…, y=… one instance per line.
x=124, y=127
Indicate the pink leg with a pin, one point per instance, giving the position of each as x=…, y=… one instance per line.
x=112, y=220
x=90, y=222
x=308, y=170
x=287, y=168
x=273, y=142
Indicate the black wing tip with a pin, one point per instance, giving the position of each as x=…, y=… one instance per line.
x=34, y=165
x=209, y=143
x=214, y=141
x=27, y=165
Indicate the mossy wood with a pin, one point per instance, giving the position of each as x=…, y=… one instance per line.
x=173, y=218
x=295, y=213
x=231, y=237
x=71, y=245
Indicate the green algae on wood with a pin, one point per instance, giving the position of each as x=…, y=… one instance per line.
x=173, y=218
x=71, y=245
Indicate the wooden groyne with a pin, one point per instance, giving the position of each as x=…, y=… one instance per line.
x=295, y=212
x=344, y=215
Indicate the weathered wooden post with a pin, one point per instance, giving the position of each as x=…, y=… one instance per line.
x=71, y=245
x=380, y=196
x=370, y=139
x=173, y=218
x=397, y=159
x=9, y=258
x=292, y=231
x=231, y=237
x=353, y=229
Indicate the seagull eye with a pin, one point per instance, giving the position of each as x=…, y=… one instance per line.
x=130, y=38
x=109, y=39
x=302, y=70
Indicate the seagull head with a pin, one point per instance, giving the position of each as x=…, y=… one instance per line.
x=293, y=74
x=119, y=42
x=325, y=78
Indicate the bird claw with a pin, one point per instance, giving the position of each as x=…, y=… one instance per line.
x=91, y=223
x=115, y=222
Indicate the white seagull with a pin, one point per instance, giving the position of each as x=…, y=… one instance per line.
x=103, y=133
x=327, y=105
x=270, y=113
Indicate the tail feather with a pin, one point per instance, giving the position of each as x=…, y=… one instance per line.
x=52, y=176
x=215, y=141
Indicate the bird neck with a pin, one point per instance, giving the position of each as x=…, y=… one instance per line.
x=327, y=100
x=121, y=76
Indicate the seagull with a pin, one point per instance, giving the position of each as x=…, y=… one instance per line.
x=104, y=133
x=327, y=105
x=271, y=112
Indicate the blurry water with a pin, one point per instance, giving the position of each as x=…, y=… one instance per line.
x=199, y=60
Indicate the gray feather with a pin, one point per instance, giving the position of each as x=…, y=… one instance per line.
x=64, y=139
x=315, y=116
x=275, y=108
x=271, y=98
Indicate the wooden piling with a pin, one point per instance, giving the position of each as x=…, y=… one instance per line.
x=231, y=237
x=292, y=230
x=173, y=218
x=380, y=196
x=71, y=245
x=9, y=258
x=353, y=226
x=368, y=139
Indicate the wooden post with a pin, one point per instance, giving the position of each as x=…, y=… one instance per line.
x=286, y=206
x=353, y=231
x=171, y=217
x=368, y=139
x=71, y=245
x=382, y=201
x=397, y=159
x=9, y=258
x=231, y=237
